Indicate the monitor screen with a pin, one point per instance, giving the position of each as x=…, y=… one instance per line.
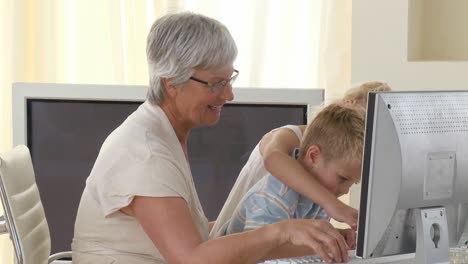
x=64, y=137
x=414, y=175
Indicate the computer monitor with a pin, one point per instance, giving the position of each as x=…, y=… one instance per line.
x=64, y=126
x=414, y=190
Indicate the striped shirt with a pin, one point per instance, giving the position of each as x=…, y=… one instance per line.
x=270, y=201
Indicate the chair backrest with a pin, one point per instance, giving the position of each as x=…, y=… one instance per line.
x=22, y=206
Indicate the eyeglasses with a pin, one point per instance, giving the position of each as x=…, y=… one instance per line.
x=219, y=86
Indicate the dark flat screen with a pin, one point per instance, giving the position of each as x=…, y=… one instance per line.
x=65, y=136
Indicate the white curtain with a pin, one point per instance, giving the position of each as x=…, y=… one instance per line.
x=89, y=41
x=5, y=105
x=335, y=48
x=335, y=57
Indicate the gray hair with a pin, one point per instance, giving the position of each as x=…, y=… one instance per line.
x=179, y=43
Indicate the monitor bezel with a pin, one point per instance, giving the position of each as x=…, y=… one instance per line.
x=22, y=92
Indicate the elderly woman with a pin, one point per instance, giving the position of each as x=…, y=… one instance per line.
x=140, y=204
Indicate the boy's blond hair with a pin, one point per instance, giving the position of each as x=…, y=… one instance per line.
x=358, y=94
x=338, y=130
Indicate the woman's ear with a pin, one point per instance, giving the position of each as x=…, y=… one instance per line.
x=170, y=90
x=313, y=154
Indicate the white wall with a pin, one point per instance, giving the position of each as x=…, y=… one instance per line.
x=429, y=32
x=380, y=37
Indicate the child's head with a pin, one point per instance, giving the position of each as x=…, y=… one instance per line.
x=331, y=148
x=358, y=94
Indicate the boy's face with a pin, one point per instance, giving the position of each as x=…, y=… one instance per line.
x=337, y=176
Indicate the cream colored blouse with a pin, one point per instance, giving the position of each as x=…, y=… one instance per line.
x=142, y=157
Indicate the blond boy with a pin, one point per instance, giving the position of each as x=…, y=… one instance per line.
x=330, y=151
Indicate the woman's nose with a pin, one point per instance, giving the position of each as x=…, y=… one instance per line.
x=228, y=93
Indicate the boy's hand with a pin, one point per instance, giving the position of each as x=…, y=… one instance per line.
x=342, y=213
x=350, y=237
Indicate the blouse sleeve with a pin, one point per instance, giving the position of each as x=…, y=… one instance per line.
x=155, y=177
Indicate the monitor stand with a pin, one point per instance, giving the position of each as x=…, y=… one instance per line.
x=432, y=242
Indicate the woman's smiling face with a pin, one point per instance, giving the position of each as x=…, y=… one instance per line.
x=196, y=104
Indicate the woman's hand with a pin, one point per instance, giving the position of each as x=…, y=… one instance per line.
x=319, y=235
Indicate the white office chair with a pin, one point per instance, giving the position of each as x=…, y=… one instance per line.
x=24, y=218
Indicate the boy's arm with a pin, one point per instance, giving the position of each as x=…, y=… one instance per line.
x=275, y=148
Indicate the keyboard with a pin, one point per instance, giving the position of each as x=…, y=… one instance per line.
x=403, y=259
x=301, y=260
x=305, y=260
x=457, y=255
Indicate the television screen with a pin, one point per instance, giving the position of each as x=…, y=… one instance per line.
x=64, y=137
